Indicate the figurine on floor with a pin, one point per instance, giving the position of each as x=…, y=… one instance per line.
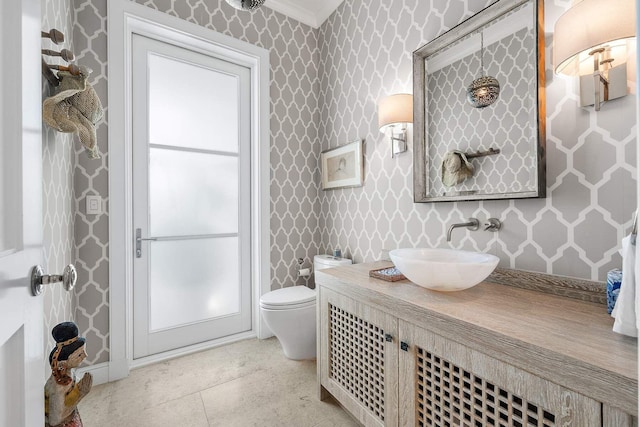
x=61, y=392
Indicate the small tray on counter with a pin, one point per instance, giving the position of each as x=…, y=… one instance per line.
x=389, y=274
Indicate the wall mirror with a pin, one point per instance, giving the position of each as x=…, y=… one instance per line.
x=462, y=152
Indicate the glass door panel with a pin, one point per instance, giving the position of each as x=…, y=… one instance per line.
x=203, y=272
x=192, y=105
x=192, y=278
x=192, y=193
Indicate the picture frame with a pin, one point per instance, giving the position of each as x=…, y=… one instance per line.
x=342, y=167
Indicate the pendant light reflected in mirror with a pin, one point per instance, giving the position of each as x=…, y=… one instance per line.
x=484, y=90
x=245, y=4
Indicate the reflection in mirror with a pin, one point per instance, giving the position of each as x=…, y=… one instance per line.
x=463, y=152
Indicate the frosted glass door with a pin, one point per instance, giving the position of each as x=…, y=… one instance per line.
x=191, y=197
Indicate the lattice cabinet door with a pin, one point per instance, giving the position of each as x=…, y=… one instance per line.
x=444, y=383
x=359, y=358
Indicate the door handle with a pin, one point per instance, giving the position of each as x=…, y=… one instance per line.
x=139, y=240
x=38, y=279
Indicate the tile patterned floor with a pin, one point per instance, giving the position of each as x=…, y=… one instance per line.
x=249, y=383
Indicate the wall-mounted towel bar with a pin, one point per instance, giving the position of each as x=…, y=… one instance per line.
x=489, y=152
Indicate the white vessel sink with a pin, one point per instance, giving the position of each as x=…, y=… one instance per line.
x=443, y=269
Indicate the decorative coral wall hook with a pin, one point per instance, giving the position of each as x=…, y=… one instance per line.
x=57, y=37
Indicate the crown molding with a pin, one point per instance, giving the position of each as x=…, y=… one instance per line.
x=327, y=7
x=313, y=16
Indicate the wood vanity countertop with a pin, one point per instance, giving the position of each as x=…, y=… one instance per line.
x=566, y=341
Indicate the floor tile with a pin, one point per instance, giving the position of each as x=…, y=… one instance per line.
x=187, y=411
x=275, y=397
x=94, y=408
x=342, y=419
x=169, y=380
x=241, y=384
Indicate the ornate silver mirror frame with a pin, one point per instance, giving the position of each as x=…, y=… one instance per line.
x=502, y=145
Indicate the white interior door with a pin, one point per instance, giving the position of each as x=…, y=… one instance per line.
x=21, y=314
x=191, y=197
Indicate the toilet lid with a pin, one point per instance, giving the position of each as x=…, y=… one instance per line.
x=293, y=295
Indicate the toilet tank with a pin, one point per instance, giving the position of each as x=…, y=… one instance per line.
x=321, y=262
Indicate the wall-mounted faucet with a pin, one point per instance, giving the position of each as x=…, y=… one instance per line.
x=492, y=224
x=473, y=224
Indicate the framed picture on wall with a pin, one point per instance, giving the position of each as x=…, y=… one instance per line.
x=342, y=166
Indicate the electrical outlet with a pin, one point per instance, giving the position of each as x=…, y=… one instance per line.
x=93, y=204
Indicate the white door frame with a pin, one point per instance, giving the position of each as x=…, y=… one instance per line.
x=124, y=19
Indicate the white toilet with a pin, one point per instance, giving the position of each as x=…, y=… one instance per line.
x=290, y=313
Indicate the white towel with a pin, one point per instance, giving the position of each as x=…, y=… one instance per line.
x=625, y=308
x=637, y=271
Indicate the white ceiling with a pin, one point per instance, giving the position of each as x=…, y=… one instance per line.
x=310, y=12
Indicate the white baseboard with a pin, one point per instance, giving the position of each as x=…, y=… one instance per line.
x=100, y=373
x=144, y=361
x=118, y=369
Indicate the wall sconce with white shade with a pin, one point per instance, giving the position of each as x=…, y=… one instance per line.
x=591, y=40
x=394, y=112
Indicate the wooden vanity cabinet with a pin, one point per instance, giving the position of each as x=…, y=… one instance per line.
x=444, y=383
x=358, y=358
x=388, y=372
x=614, y=417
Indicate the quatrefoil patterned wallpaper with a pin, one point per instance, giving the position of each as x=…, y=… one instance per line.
x=365, y=54
x=58, y=197
x=325, y=85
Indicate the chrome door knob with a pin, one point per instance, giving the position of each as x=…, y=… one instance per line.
x=38, y=279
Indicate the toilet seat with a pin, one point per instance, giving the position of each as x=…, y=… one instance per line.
x=287, y=307
x=288, y=298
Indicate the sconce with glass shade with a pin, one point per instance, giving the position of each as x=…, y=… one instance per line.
x=593, y=40
x=394, y=113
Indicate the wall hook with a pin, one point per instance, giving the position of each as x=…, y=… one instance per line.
x=65, y=54
x=56, y=36
x=48, y=74
x=73, y=69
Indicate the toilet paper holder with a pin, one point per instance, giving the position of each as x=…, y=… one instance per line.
x=303, y=272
